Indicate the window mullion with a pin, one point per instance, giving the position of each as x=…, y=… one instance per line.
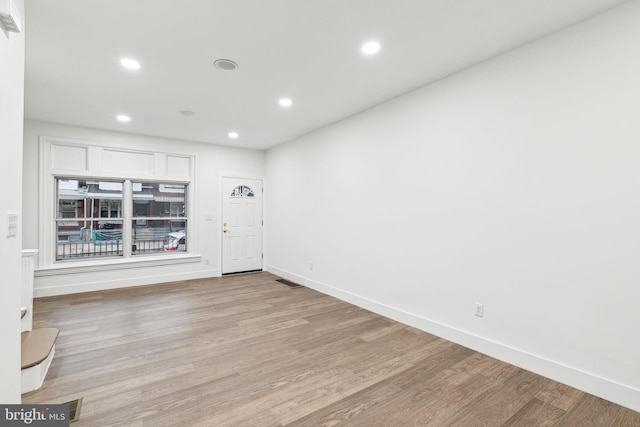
x=127, y=207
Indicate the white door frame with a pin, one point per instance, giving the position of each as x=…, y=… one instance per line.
x=219, y=232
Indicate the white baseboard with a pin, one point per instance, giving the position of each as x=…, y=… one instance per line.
x=590, y=383
x=41, y=289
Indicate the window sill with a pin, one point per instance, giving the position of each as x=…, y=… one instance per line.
x=75, y=267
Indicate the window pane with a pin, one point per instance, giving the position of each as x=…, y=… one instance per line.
x=89, y=199
x=110, y=208
x=70, y=208
x=71, y=195
x=242, y=191
x=105, y=198
x=88, y=239
x=159, y=200
x=78, y=202
x=159, y=218
x=150, y=236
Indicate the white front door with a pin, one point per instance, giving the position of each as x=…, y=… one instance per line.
x=241, y=225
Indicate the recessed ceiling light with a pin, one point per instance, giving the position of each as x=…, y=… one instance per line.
x=370, y=48
x=225, y=64
x=123, y=118
x=285, y=102
x=233, y=135
x=129, y=63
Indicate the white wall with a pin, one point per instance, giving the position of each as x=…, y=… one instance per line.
x=513, y=184
x=11, y=108
x=210, y=162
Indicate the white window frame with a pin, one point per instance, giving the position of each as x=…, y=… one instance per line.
x=76, y=159
x=184, y=217
x=125, y=215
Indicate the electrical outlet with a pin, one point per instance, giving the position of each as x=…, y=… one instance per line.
x=479, y=310
x=311, y=266
x=206, y=261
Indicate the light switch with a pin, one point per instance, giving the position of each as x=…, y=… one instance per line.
x=12, y=224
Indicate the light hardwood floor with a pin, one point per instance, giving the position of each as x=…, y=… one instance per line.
x=249, y=351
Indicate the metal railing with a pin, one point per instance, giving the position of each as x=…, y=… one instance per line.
x=101, y=248
x=145, y=246
x=104, y=243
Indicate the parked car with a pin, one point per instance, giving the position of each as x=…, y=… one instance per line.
x=176, y=241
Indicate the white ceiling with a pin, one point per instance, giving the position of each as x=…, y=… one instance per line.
x=308, y=50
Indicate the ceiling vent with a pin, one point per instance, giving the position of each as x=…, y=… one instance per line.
x=225, y=64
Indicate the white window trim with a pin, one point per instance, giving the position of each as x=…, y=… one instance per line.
x=112, y=264
x=94, y=169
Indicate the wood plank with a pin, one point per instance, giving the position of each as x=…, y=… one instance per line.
x=591, y=411
x=535, y=413
x=247, y=350
x=627, y=418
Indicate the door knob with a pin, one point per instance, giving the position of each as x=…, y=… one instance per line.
x=224, y=231
x=225, y=224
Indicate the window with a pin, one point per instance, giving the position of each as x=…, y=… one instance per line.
x=159, y=222
x=110, y=208
x=108, y=218
x=68, y=208
x=96, y=207
x=242, y=191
